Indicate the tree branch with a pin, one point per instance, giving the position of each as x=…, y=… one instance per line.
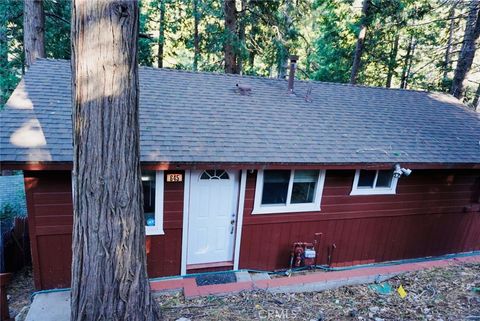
x=52, y=15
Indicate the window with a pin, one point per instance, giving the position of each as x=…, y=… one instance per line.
x=374, y=182
x=283, y=191
x=152, y=184
x=214, y=174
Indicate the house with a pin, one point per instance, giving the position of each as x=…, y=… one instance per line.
x=232, y=175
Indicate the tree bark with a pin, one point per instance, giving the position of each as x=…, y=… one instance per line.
x=451, y=29
x=161, y=34
x=392, y=64
x=109, y=276
x=33, y=31
x=196, y=36
x=360, y=42
x=467, y=53
x=230, y=15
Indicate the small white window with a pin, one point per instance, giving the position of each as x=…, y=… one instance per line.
x=152, y=183
x=283, y=191
x=374, y=182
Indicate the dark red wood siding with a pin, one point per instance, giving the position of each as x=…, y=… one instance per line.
x=49, y=202
x=426, y=217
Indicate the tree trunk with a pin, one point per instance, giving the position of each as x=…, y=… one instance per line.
x=448, y=50
x=109, y=277
x=392, y=64
x=467, y=53
x=282, y=63
x=196, y=36
x=282, y=38
x=360, y=42
x=252, y=52
x=230, y=14
x=407, y=64
x=476, y=99
x=241, y=36
x=33, y=31
x=161, y=34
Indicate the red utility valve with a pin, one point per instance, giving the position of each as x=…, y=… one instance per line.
x=303, y=254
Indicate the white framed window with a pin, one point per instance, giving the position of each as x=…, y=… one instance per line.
x=374, y=182
x=284, y=191
x=153, y=185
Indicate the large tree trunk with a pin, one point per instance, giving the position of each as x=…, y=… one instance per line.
x=161, y=34
x=448, y=50
x=33, y=31
x=467, y=53
x=392, y=63
x=360, y=42
x=196, y=36
x=109, y=277
x=230, y=15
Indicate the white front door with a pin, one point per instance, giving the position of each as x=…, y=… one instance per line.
x=212, y=216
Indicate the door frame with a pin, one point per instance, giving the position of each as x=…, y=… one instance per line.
x=186, y=216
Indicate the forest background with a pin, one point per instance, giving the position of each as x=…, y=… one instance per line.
x=409, y=44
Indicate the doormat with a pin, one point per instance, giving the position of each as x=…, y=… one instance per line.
x=216, y=278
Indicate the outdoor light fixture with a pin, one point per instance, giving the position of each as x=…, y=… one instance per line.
x=399, y=171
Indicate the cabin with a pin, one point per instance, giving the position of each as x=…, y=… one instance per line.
x=238, y=168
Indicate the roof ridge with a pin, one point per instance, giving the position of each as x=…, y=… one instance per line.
x=305, y=81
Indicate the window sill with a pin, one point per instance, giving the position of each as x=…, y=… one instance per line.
x=376, y=191
x=153, y=230
x=284, y=209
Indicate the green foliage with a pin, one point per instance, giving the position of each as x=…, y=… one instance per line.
x=7, y=212
x=57, y=39
x=11, y=50
x=57, y=28
x=332, y=58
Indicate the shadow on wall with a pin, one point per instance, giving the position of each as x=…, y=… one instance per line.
x=14, y=241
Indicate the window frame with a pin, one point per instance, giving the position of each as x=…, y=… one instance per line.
x=258, y=208
x=392, y=190
x=159, y=188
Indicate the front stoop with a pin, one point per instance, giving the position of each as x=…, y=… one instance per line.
x=53, y=306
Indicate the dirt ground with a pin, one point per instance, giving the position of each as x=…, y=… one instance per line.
x=451, y=293
x=19, y=291
x=440, y=294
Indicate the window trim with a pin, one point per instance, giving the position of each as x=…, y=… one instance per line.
x=258, y=208
x=159, y=188
x=392, y=190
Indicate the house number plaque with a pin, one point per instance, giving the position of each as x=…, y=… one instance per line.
x=174, y=178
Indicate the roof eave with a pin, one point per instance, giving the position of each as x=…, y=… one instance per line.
x=47, y=166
